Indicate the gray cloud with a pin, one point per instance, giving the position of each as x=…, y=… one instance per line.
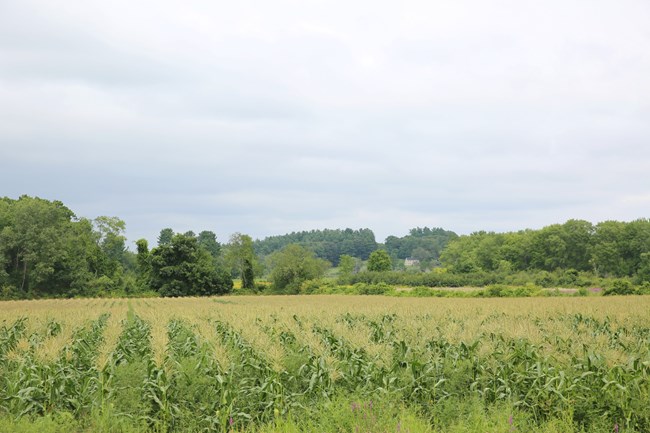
x=268, y=118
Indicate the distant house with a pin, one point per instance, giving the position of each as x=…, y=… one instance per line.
x=408, y=262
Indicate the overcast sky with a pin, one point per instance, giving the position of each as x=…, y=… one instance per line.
x=266, y=117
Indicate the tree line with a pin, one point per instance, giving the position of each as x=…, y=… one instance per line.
x=326, y=244
x=607, y=249
x=47, y=251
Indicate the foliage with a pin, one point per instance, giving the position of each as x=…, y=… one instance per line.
x=46, y=251
x=294, y=264
x=326, y=244
x=379, y=261
x=424, y=244
x=165, y=236
x=184, y=268
x=610, y=249
x=620, y=287
x=347, y=265
x=240, y=257
x=208, y=241
x=325, y=364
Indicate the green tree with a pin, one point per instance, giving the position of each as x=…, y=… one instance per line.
x=241, y=258
x=644, y=268
x=208, y=240
x=293, y=265
x=379, y=261
x=431, y=240
x=460, y=254
x=112, y=243
x=144, y=264
x=183, y=268
x=165, y=236
x=46, y=251
x=326, y=244
x=33, y=242
x=347, y=264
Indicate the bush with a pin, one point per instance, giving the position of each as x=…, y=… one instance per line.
x=620, y=287
x=372, y=289
x=9, y=292
x=644, y=289
x=310, y=287
x=544, y=279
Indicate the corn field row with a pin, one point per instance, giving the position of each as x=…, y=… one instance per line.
x=223, y=367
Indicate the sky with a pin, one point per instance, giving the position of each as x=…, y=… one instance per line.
x=269, y=117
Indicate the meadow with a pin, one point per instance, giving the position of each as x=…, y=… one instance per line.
x=326, y=364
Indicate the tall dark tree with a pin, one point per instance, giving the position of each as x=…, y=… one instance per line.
x=165, y=236
x=144, y=263
x=33, y=242
x=44, y=250
x=208, y=240
x=184, y=268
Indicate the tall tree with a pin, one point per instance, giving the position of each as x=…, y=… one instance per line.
x=183, y=268
x=208, y=240
x=165, y=236
x=33, y=241
x=241, y=258
x=112, y=242
x=144, y=264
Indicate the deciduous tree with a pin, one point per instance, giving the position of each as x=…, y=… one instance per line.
x=294, y=264
x=183, y=268
x=379, y=261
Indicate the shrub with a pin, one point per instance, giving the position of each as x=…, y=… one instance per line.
x=620, y=287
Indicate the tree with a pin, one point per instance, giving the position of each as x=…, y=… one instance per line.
x=379, y=261
x=183, y=268
x=112, y=242
x=144, y=264
x=33, y=242
x=46, y=251
x=240, y=256
x=326, y=244
x=165, y=236
x=208, y=240
x=346, y=264
x=293, y=265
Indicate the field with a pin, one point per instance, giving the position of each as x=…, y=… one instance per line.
x=327, y=364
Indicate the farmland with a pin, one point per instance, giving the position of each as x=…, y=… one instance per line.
x=326, y=363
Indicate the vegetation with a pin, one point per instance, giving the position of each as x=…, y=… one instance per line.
x=184, y=268
x=325, y=244
x=294, y=265
x=46, y=251
x=379, y=261
x=241, y=258
x=422, y=244
x=608, y=249
x=325, y=363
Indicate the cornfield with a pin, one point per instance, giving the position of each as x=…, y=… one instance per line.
x=239, y=363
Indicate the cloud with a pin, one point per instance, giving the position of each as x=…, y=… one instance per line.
x=265, y=118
